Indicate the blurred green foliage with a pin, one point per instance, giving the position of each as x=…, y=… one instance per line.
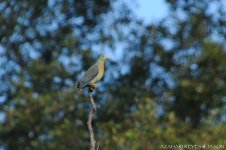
x=167, y=87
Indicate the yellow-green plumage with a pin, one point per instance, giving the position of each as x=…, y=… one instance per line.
x=100, y=73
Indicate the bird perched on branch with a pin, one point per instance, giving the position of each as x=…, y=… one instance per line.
x=93, y=75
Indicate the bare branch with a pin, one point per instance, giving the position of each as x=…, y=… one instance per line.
x=89, y=123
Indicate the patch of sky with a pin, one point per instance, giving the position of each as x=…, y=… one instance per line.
x=44, y=137
x=7, y=12
x=181, y=14
x=167, y=43
x=29, y=52
x=218, y=38
x=159, y=110
x=2, y=98
x=51, y=3
x=157, y=71
x=3, y=4
x=76, y=20
x=151, y=10
x=16, y=37
x=214, y=7
x=23, y=21
x=2, y=116
x=30, y=33
x=2, y=50
x=183, y=56
x=57, y=79
x=71, y=63
x=69, y=82
x=193, y=66
x=37, y=45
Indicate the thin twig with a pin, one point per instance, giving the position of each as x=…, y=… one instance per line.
x=89, y=123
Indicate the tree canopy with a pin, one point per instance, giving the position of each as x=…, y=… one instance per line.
x=164, y=85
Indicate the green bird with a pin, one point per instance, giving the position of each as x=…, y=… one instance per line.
x=93, y=75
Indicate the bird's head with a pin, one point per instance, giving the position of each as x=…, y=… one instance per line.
x=103, y=58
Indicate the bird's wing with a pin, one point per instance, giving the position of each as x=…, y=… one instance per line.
x=89, y=76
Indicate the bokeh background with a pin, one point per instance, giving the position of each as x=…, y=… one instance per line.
x=165, y=82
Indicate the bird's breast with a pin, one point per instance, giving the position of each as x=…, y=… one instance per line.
x=100, y=73
x=102, y=69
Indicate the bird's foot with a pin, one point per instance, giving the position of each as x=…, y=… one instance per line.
x=92, y=87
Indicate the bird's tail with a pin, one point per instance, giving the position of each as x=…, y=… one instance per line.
x=79, y=92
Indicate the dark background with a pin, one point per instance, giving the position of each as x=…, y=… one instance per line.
x=165, y=82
